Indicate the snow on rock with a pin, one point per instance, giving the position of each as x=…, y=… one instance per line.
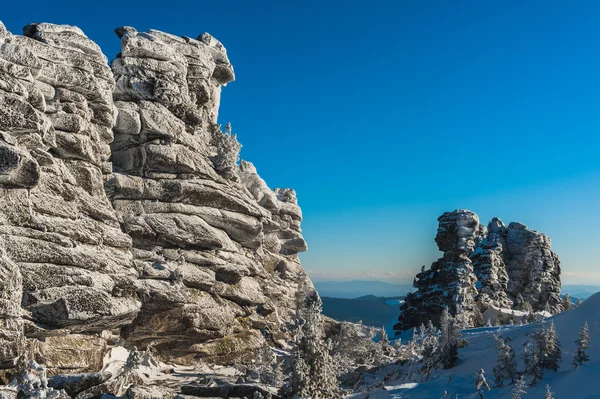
x=125, y=218
x=497, y=267
x=450, y=281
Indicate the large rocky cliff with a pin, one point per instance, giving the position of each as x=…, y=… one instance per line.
x=495, y=267
x=125, y=218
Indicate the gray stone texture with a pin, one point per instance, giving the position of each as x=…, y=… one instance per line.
x=483, y=268
x=124, y=217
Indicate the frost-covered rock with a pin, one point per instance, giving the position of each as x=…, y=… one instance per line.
x=450, y=281
x=64, y=255
x=493, y=268
x=490, y=269
x=125, y=218
x=215, y=259
x=533, y=269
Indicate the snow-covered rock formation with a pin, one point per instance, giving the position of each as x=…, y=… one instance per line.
x=483, y=268
x=124, y=216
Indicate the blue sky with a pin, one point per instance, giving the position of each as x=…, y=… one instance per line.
x=384, y=114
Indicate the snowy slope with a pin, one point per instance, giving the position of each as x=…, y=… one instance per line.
x=567, y=383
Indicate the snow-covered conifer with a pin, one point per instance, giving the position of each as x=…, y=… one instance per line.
x=547, y=346
x=519, y=302
x=519, y=389
x=583, y=344
x=506, y=367
x=549, y=394
x=566, y=302
x=313, y=374
x=450, y=339
x=431, y=355
x=553, y=353
x=383, y=337
x=481, y=383
x=528, y=309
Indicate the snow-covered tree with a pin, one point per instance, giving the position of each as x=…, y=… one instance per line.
x=579, y=302
x=499, y=319
x=549, y=394
x=383, y=337
x=519, y=389
x=450, y=339
x=583, y=344
x=532, y=363
x=566, y=302
x=553, y=354
x=313, y=373
x=265, y=367
x=225, y=151
x=547, y=345
x=481, y=383
x=354, y=347
x=506, y=367
x=431, y=354
x=519, y=302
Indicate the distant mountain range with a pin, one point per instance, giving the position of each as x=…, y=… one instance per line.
x=371, y=310
x=580, y=291
x=360, y=288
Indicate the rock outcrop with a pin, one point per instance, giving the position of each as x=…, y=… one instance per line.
x=214, y=247
x=125, y=217
x=483, y=268
x=450, y=282
x=67, y=261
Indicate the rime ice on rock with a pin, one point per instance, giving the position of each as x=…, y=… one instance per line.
x=62, y=244
x=215, y=248
x=486, y=268
x=450, y=281
x=124, y=216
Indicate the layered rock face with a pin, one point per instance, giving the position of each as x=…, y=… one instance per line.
x=125, y=217
x=450, y=281
x=215, y=248
x=67, y=265
x=483, y=268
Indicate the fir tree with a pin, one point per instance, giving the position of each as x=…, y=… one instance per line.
x=583, y=344
x=532, y=364
x=549, y=393
x=553, y=355
x=519, y=389
x=481, y=383
x=566, y=302
x=383, y=337
x=477, y=317
x=511, y=319
x=450, y=338
x=431, y=355
x=579, y=302
x=529, y=317
x=520, y=302
x=548, y=347
x=499, y=319
x=313, y=374
x=506, y=367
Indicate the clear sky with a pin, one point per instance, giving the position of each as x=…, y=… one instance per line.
x=384, y=114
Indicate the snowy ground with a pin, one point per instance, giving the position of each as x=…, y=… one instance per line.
x=567, y=383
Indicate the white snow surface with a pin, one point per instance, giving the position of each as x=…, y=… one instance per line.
x=567, y=383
